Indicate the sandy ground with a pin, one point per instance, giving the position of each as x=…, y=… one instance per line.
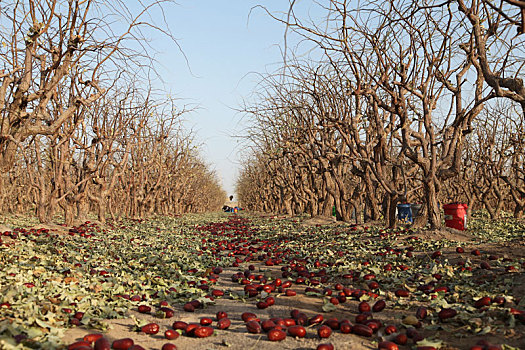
x=236, y=337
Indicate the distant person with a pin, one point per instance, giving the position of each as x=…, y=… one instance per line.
x=231, y=198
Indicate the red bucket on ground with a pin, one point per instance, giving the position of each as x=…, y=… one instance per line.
x=456, y=216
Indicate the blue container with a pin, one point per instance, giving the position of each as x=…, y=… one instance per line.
x=404, y=213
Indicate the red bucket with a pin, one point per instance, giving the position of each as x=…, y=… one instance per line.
x=456, y=216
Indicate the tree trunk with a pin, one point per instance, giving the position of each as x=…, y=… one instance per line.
x=288, y=206
x=82, y=209
x=358, y=205
x=7, y=155
x=42, y=210
x=421, y=219
x=2, y=189
x=493, y=211
x=102, y=208
x=433, y=212
x=69, y=213
x=372, y=203
x=519, y=211
x=471, y=201
x=390, y=205
x=328, y=206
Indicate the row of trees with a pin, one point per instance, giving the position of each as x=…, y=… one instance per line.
x=81, y=129
x=418, y=101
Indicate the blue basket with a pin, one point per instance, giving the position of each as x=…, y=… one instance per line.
x=404, y=213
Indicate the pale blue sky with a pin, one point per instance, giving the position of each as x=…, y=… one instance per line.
x=225, y=46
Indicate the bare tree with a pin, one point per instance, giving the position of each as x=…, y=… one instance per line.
x=413, y=70
x=57, y=45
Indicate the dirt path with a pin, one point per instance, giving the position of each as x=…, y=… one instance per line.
x=236, y=337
